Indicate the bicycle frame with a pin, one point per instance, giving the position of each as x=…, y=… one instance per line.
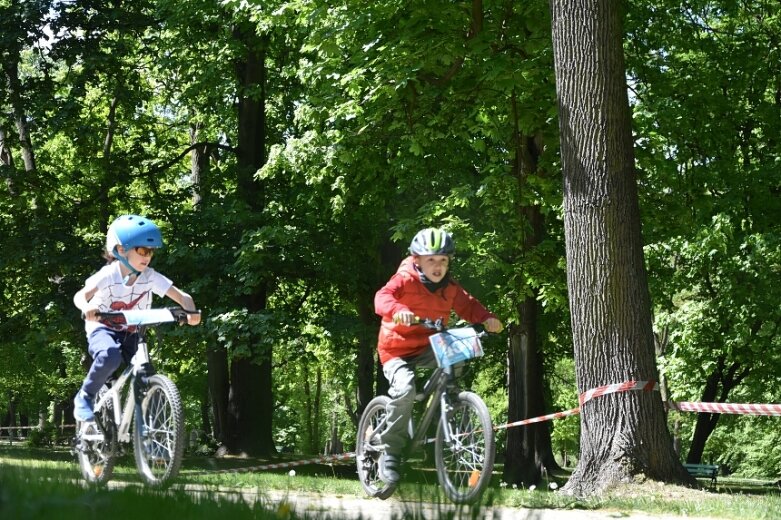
x=434, y=393
x=124, y=415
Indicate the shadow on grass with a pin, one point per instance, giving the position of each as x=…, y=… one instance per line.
x=45, y=483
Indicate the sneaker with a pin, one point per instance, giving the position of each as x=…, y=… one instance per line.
x=389, y=468
x=83, y=404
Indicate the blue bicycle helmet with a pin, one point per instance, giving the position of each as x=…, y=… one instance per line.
x=131, y=231
x=432, y=241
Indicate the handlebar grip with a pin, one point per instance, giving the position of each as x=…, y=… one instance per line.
x=181, y=314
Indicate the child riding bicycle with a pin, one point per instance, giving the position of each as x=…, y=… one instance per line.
x=421, y=287
x=125, y=282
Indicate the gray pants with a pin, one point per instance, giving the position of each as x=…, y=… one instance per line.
x=400, y=373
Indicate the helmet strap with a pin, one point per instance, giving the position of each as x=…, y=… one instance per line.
x=126, y=263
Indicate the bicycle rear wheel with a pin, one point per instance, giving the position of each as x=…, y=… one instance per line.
x=466, y=462
x=158, y=436
x=96, y=449
x=367, y=453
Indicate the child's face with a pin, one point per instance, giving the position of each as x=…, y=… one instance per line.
x=433, y=266
x=138, y=257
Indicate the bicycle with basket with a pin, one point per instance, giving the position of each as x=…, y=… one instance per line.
x=138, y=399
x=464, y=441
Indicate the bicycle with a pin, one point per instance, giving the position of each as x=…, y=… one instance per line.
x=464, y=442
x=140, y=398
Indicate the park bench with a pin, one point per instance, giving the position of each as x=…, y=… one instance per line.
x=703, y=470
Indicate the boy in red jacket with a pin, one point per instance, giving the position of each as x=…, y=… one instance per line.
x=422, y=287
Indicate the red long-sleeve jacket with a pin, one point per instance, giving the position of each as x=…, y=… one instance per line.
x=405, y=291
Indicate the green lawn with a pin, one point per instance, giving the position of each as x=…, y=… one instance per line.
x=45, y=483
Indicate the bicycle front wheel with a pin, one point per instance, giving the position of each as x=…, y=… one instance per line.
x=465, y=462
x=158, y=436
x=96, y=449
x=367, y=451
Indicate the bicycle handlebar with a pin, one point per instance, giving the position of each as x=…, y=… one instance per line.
x=148, y=316
x=439, y=326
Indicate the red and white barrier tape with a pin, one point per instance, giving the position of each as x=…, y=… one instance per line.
x=542, y=418
x=733, y=408
x=626, y=386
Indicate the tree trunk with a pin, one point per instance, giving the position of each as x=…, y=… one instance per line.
x=367, y=346
x=251, y=396
x=111, y=125
x=218, y=377
x=248, y=428
x=219, y=390
x=706, y=422
x=316, y=409
x=308, y=419
x=528, y=449
x=11, y=69
x=7, y=163
x=623, y=435
x=199, y=165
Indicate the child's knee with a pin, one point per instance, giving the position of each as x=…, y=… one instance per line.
x=403, y=392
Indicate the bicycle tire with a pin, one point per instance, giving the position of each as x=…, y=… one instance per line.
x=367, y=455
x=158, y=438
x=97, y=457
x=465, y=464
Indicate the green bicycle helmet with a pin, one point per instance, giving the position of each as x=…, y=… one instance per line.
x=432, y=241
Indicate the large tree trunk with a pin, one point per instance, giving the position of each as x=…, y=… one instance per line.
x=251, y=396
x=528, y=449
x=217, y=367
x=623, y=435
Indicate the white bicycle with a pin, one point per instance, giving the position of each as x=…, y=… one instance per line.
x=138, y=398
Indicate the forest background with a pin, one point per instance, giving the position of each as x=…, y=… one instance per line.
x=290, y=150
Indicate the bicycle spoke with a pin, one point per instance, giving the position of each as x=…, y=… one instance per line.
x=158, y=439
x=465, y=461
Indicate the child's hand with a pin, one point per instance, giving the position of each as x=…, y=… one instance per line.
x=493, y=325
x=404, y=317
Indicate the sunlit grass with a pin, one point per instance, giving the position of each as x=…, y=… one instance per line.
x=218, y=484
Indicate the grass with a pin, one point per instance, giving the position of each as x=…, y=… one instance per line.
x=41, y=483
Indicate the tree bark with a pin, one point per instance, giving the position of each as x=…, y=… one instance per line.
x=7, y=163
x=624, y=436
x=199, y=165
x=11, y=69
x=219, y=390
x=528, y=451
x=251, y=395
